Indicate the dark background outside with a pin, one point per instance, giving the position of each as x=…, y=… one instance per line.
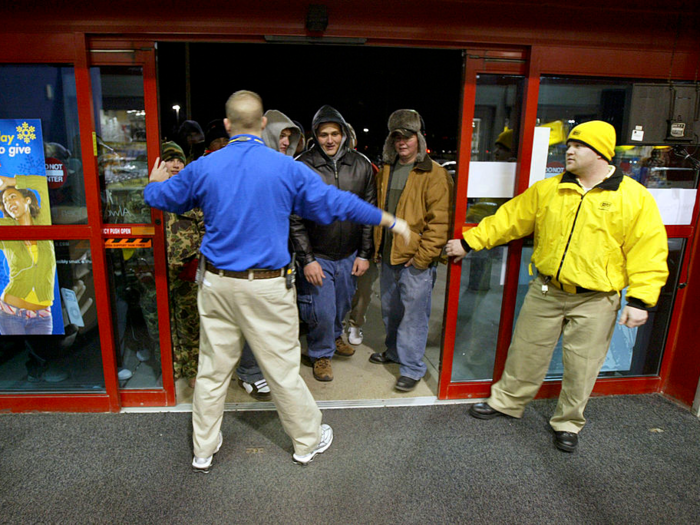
x=366, y=84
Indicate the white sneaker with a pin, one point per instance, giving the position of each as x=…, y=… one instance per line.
x=124, y=374
x=355, y=335
x=326, y=440
x=143, y=355
x=203, y=465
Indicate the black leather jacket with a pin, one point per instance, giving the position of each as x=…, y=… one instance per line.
x=350, y=171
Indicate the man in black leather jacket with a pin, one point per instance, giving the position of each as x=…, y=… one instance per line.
x=332, y=256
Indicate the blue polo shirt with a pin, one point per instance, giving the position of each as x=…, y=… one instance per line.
x=247, y=192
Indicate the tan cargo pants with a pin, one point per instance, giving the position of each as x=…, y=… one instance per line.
x=263, y=312
x=586, y=321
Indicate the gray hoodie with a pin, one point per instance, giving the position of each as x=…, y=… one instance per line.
x=276, y=123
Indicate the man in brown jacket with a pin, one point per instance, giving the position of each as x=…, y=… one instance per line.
x=418, y=190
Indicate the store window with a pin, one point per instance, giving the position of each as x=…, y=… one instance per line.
x=120, y=121
x=668, y=170
x=492, y=172
x=63, y=355
x=46, y=95
x=135, y=311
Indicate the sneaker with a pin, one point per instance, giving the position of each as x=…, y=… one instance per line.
x=355, y=335
x=326, y=440
x=124, y=374
x=323, y=370
x=143, y=355
x=342, y=348
x=258, y=390
x=203, y=465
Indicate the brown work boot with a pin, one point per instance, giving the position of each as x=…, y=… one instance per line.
x=323, y=370
x=342, y=348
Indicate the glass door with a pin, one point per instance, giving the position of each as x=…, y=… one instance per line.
x=127, y=143
x=487, y=171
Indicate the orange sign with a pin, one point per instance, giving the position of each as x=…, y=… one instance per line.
x=121, y=244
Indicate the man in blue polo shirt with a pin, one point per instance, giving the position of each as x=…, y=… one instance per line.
x=247, y=193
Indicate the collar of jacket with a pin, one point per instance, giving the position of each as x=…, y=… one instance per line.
x=424, y=165
x=319, y=158
x=612, y=183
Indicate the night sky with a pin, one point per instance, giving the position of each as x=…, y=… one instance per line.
x=366, y=84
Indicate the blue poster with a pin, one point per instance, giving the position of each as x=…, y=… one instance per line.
x=30, y=302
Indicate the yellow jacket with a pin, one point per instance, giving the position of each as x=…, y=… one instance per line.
x=425, y=204
x=605, y=240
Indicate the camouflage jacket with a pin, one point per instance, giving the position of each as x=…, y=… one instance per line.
x=183, y=237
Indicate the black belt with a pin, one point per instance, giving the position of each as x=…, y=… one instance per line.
x=568, y=288
x=248, y=274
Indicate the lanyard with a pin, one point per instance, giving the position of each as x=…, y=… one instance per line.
x=245, y=138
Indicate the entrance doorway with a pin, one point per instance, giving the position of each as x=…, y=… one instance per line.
x=365, y=84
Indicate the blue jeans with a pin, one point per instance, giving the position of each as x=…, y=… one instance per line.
x=406, y=295
x=324, y=307
x=248, y=369
x=22, y=325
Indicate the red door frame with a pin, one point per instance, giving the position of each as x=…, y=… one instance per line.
x=567, y=62
x=130, y=52
x=583, y=60
x=70, y=49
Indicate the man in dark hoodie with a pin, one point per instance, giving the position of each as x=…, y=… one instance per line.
x=334, y=255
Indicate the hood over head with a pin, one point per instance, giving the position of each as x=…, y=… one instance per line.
x=276, y=123
x=329, y=114
x=215, y=130
x=404, y=122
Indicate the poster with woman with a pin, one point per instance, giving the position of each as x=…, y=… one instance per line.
x=29, y=298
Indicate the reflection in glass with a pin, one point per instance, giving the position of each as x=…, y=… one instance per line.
x=494, y=144
x=478, y=316
x=565, y=102
x=120, y=119
x=48, y=93
x=633, y=351
x=491, y=183
x=68, y=362
x=134, y=307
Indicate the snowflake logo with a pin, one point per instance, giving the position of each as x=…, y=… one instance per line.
x=26, y=132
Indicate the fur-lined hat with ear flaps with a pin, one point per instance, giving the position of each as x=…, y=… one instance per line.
x=405, y=122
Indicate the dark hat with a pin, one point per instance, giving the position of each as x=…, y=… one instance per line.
x=215, y=130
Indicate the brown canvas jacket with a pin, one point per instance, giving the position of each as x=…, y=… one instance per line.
x=425, y=205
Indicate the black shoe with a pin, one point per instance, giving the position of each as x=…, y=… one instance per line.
x=406, y=384
x=484, y=411
x=566, y=441
x=380, y=358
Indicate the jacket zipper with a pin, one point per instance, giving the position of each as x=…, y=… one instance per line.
x=571, y=234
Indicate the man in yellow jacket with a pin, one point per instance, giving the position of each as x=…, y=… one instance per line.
x=596, y=232
x=418, y=190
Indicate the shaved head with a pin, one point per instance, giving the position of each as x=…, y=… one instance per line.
x=244, y=112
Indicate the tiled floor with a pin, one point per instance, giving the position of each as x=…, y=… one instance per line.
x=355, y=378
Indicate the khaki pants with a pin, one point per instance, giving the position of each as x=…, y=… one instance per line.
x=586, y=321
x=263, y=312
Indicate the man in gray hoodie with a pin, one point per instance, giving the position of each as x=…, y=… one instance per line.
x=281, y=134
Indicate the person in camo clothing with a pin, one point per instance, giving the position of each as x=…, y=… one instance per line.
x=184, y=234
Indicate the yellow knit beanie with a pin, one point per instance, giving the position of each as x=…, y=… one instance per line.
x=597, y=135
